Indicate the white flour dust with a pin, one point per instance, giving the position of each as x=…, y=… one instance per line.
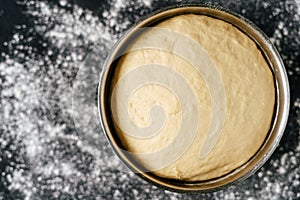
x=38, y=134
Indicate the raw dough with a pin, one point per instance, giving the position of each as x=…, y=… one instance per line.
x=250, y=98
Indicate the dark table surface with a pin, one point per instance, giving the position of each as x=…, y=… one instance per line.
x=52, y=146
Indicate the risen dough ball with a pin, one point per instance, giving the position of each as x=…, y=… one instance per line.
x=250, y=97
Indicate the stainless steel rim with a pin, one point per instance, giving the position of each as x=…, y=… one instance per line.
x=281, y=109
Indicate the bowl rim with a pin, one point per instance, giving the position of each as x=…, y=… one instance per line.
x=281, y=108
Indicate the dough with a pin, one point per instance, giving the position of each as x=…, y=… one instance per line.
x=250, y=97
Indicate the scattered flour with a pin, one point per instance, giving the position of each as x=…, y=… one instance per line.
x=37, y=116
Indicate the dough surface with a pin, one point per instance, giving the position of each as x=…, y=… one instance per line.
x=250, y=98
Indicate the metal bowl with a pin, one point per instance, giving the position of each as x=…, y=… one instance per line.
x=281, y=108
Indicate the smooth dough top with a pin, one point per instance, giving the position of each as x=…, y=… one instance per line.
x=250, y=98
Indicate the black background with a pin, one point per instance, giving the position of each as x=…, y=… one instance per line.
x=268, y=15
